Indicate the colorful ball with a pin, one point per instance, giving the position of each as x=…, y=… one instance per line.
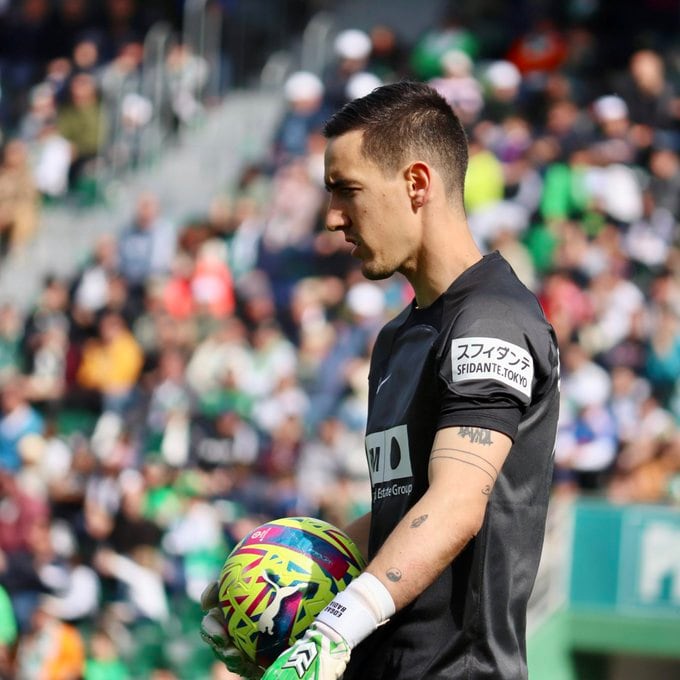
x=279, y=577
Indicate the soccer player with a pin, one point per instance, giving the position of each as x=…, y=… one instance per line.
x=462, y=416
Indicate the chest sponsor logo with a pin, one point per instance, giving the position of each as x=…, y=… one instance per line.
x=389, y=459
x=492, y=359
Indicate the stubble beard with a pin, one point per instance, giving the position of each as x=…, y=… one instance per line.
x=376, y=273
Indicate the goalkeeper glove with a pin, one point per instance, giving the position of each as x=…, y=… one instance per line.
x=214, y=633
x=320, y=654
x=324, y=650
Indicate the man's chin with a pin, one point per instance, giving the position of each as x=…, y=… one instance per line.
x=375, y=273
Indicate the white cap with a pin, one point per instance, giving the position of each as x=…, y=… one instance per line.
x=503, y=74
x=361, y=84
x=303, y=85
x=456, y=62
x=353, y=44
x=610, y=107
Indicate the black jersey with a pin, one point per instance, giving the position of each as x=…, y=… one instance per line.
x=483, y=356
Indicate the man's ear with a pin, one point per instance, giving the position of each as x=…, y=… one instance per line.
x=418, y=181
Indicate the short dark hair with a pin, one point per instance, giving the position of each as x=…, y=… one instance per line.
x=402, y=121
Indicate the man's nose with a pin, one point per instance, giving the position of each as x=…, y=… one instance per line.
x=335, y=219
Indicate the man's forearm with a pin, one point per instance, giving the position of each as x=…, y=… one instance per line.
x=420, y=547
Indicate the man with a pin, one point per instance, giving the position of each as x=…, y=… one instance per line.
x=462, y=415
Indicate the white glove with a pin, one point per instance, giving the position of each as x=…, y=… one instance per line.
x=320, y=654
x=215, y=634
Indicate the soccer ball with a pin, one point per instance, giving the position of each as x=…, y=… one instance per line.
x=278, y=578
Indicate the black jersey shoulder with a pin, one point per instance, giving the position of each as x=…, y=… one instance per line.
x=491, y=289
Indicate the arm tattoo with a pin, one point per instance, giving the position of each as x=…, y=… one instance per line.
x=479, y=462
x=477, y=435
x=418, y=521
x=393, y=574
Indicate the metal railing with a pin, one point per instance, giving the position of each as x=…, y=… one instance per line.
x=140, y=124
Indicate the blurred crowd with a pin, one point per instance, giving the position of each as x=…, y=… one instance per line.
x=196, y=378
x=84, y=96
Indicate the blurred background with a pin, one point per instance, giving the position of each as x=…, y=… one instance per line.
x=184, y=350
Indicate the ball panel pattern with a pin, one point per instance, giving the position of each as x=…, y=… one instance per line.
x=279, y=577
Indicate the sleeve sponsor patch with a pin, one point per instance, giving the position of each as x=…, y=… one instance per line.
x=492, y=359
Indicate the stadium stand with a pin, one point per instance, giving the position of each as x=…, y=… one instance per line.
x=183, y=349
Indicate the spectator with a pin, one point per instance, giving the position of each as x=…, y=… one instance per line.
x=459, y=87
x=225, y=440
x=82, y=121
x=111, y=363
x=10, y=341
x=51, y=161
x=140, y=575
x=663, y=359
x=51, y=309
x=664, y=166
x=127, y=106
x=51, y=649
x=45, y=384
x=225, y=355
x=273, y=359
x=186, y=75
x=352, y=51
x=503, y=89
x=450, y=33
x=172, y=404
x=147, y=246
x=103, y=659
x=651, y=97
x=85, y=55
x=586, y=441
x=325, y=462
x=92, y=283
x=304, y=114
x=212, y=286
x=613, y=143
x=17, y=419
x=75, y=587
x=539, y=50
x=18, y=198
x=389, y=54
x=42, y=108
x=8, y=632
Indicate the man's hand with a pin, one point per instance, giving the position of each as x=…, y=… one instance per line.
x=214, y=633
x=319, y=655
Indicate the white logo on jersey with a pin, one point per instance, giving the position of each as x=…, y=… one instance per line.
x=382, y=382
x=492, y=359
x=388, y=455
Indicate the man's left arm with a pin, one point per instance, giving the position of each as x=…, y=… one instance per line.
x=463, y=468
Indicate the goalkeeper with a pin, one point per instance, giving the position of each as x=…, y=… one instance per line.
x=463, y=405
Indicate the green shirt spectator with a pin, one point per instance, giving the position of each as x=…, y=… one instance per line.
x=8, y=623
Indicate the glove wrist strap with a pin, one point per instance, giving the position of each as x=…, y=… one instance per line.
x=358, y=610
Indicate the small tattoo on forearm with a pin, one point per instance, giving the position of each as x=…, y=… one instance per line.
x=393, y=575
x=477, y=435
x=486, y=490
x=418, y=521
